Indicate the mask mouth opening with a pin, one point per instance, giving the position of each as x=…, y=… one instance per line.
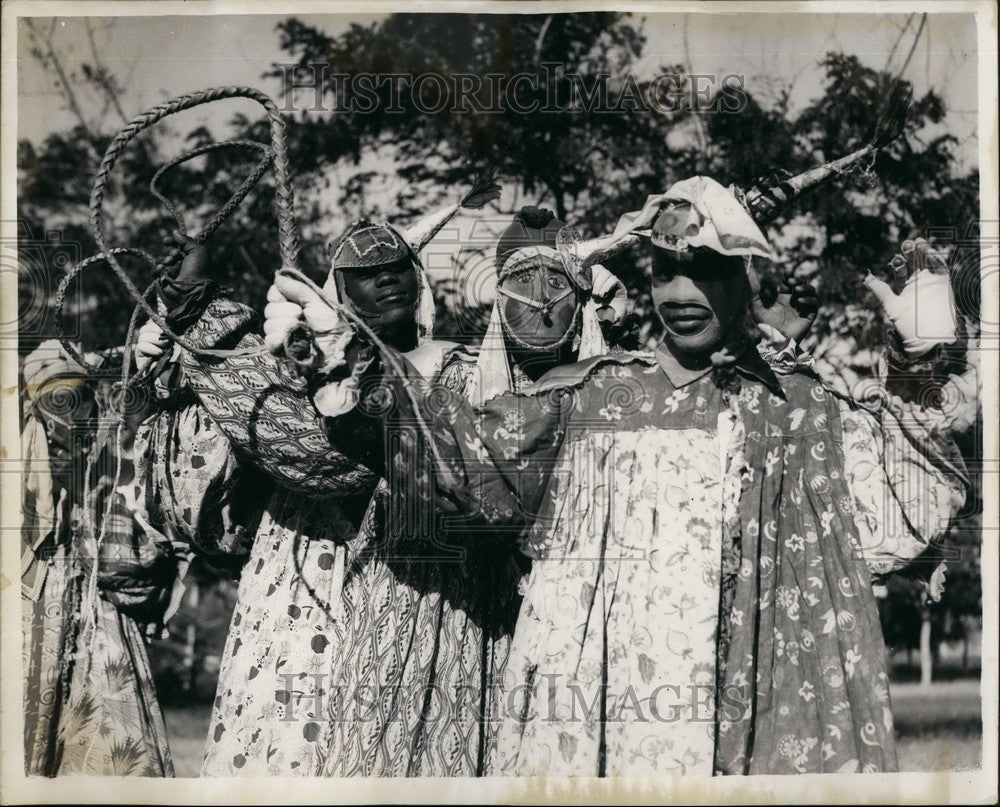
x=686, y=318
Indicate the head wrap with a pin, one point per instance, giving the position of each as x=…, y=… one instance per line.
x=531, y=227
x=697, y=212
x=47, y=362
x=365, y=244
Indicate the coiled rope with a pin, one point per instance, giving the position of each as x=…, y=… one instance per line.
x=289, y=252
x=230, y=206
x=275, y=155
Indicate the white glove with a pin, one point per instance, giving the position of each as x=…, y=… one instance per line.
x=281, y=317
x=292, y=303
x=151, y=343
x=923, y=312
x=608, y=291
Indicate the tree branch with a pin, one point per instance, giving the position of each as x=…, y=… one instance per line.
x=51, y=60
x=102, y=78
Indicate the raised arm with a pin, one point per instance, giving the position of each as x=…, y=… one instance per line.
x=263, y=410
x=486, y=467
x=904, y=469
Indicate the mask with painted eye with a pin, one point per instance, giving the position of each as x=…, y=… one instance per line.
x=538, y=302
x=67, y=408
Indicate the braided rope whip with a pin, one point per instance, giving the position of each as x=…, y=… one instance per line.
x=289, y=250
x=287, y=240
x=229, y=207
x=60, y=302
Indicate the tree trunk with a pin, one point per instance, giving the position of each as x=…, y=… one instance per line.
x=191, y=636
x=926, y=656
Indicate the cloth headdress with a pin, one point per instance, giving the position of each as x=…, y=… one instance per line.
x=365, y=244
x=47, y=362
x=697, y=212
x=700, y=212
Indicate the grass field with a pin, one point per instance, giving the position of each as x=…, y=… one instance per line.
x=938, y=728
x=187, y=728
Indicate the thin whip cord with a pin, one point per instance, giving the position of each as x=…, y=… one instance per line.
x=388, y=356
x=277, y=156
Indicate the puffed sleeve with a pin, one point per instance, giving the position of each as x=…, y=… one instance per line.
x=264, y=411
x=905, y=472
x=192, y=489
x=485, y=466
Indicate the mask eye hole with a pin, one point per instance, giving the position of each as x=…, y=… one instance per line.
x=663, y=273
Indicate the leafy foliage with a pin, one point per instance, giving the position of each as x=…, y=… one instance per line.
x=589, y=165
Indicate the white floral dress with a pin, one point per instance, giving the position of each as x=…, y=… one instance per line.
x=699, y=600
x=209, y=473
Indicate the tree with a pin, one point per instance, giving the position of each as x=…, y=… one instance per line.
x=588, y=165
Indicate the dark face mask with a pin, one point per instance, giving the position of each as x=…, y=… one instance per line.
x=700, y=297
x=386, y=295
x=68, y=411
x=538, y=304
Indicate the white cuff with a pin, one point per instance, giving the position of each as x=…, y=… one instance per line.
x=336, y=398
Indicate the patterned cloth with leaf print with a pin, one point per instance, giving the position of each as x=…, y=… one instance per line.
x=105, y=719
x=428, y=630
x=649, y=508
x=209, y=465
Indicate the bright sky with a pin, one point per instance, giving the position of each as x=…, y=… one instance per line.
x=159, y=57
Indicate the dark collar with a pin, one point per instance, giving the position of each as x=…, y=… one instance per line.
x=750, y=364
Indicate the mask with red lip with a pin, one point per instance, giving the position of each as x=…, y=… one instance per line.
x=701, y=297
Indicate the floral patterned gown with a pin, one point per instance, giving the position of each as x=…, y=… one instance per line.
x=649, y=510
x=45, y=625
x=209, y=471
